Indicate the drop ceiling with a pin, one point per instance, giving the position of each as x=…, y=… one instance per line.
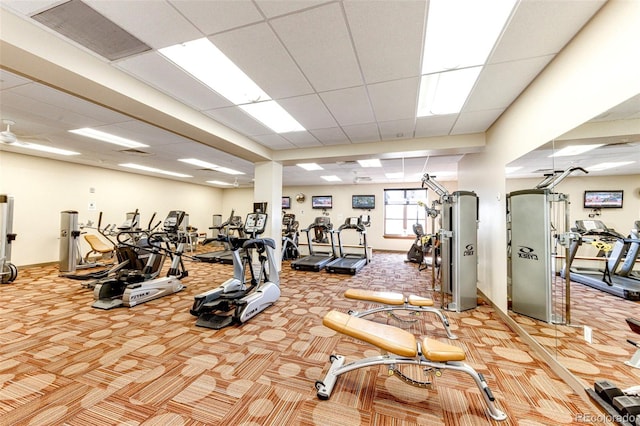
x=348, y=71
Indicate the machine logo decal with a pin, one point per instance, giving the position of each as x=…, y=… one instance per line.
x=527, y=253
x=469, y=250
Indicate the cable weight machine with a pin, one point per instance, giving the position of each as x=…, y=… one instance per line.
x=458, y=236
x=8, y=271
x=538, y=228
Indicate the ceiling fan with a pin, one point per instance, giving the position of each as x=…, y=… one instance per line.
x=7, y=136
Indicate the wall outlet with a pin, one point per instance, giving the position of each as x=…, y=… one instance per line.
x=588, y=334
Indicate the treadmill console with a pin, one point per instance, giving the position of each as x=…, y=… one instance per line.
x=255, y=224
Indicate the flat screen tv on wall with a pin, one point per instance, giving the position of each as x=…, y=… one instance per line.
x=286, y=202
x=603, y=199
x=367, y=202
x=321, y=201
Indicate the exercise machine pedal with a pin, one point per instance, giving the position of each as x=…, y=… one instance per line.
x=627, y=405
x=607, y=390
x=214, y=321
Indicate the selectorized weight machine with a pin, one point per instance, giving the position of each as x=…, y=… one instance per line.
x=537, y=227
x=8, y=271
x=458, y=237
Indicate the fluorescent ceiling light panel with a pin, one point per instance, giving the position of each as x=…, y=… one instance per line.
x=218, y=182
x=44, y=148
x=374, y=162
x=462, y=33
x=332, y=178
x=310, y=166
x=272, y=115
x=107, y=137
x=609, y=165
x=508, y=170
x=211, y=166
x=459, y=38
x=574, y=150
x=207, y=63
x=153, y=170
x=203, y=60
x=446, y=93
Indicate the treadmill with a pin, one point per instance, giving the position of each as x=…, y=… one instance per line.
x=349, y=263
x=233, y=224
x=316, y=260
x=624, y=250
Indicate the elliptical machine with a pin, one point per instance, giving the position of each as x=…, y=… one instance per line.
x=134, y=287
x=212, y=307
x=290, y=237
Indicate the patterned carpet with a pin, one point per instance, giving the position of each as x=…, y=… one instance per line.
x=63, y=362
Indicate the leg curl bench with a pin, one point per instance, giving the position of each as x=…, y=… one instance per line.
x=396, y=301
x=399, y=347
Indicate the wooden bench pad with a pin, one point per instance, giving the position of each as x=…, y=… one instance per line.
x=391, y=339
x=386, y=297
x=97, y=245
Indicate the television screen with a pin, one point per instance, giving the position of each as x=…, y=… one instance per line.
x=603, y=199
x=321, y=201
x=286, y=202
x=366, y=202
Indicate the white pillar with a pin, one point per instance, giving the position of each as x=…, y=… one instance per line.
x=268, y=187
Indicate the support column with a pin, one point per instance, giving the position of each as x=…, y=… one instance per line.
x=268, y=187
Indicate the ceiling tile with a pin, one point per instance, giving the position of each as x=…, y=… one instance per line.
x=272, y=8
x=395, y=100
x=540, y=28
x=274, y=141
x=160, y=27
x=323, y=50
x=436, y=125
x=211, y=17
x=511, y=77
x=238, y=120
x=309, y=111
x=29, y=7
x=384, y=51
x=301, y=139
x=476, y=121
x=359, y=133
x=257, y=51
x=349, y=106
x=397, y=129
x=331, y=136
x=160, y=73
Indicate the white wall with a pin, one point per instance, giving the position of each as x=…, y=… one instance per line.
x=593, y=74
x=43, y=188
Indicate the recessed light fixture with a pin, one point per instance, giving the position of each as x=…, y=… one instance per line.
x=609, y=165
x=331, y=178
x=373, y=162
x=107, y=137
x=207, y=165
x=219, y=182
x=44, y=148
x=204, y=61
x=508, y=170
x=575, y=150
x=459, y=38
x=153, y=170
x=310, y=166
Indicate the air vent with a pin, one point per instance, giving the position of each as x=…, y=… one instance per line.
x=82, y=24
x=133, y=151
x=362, y=179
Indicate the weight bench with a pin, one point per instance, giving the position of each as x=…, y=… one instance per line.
x=399, y=347
x=396, y=301
x=97, y=247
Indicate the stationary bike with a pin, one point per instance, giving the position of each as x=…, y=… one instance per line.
x=234, y=301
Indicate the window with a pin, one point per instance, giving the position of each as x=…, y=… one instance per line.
x=402, y=211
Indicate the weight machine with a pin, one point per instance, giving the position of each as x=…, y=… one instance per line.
x=8, y=271
x=537, y=227
x=458, y=246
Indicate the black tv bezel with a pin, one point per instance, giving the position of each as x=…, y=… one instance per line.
x=317, y=197
x=355, y=196
x=595, y=206
x=286, y=202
